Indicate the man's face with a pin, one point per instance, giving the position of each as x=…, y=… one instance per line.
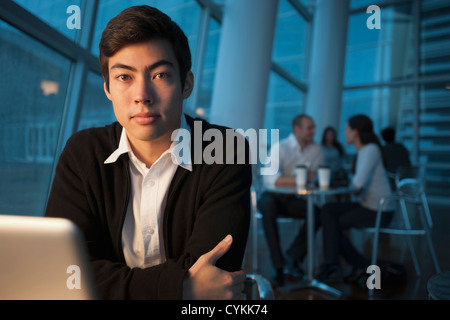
x=145, y=89
x=305, y=132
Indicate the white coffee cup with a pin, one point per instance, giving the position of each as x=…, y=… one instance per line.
x=301, y=176
x=324, y=174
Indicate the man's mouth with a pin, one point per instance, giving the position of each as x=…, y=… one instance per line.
x=145, y=118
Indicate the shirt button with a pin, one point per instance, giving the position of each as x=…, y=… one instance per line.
x=150, y=231
x=151, y=183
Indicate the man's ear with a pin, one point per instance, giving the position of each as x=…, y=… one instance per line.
x=188, y=85
x=106, y=91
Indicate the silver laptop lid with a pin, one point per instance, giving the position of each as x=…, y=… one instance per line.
x=43, y=258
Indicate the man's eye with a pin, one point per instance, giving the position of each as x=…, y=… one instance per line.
x=123, y=77
x=161, y=75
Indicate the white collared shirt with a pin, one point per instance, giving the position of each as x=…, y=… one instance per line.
x=142, y=237
x=292, y=155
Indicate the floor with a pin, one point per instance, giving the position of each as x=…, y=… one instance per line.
x=392, y=249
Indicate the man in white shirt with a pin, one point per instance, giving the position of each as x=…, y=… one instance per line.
x=298, y=148
x=155, y=227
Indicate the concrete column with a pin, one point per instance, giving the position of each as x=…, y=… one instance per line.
x=243, y=67
x=329, y=42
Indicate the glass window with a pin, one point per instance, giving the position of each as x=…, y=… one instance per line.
x=386, y=106
x=284, y=102
x=289, y=48
x=30, y=120
x=209, y=71
x=434, y=146
x=96, y=110
x=435, y=42
x=362, y=3
x=380, y=55
x=54, y=12
x=186, y=13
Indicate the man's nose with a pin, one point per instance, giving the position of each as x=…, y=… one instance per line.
x=143, y=92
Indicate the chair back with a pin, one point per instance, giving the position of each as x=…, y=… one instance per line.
x=410, y=187
x=404, y=173
x=257, y=287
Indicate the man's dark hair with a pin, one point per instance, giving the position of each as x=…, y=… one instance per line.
x=388, y=134
x=297, y=121
x=138, y=24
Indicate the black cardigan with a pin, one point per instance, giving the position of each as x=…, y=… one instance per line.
x=203, y=206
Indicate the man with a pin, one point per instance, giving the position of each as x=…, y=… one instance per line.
x=152, y=224
x=297, y=149
x=395, y=154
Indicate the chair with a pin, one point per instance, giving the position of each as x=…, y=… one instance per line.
x=255, y=216
x=258, y=288
x=409, y=193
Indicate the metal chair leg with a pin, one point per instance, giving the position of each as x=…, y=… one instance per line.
x=408, y=237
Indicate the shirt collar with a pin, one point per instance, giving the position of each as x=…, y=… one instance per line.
x=293, y=143
x=124, y=147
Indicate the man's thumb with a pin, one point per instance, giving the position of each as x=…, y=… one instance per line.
x=219, y=250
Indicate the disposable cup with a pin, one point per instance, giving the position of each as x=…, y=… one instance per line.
x=324, y=177
x=301, y=176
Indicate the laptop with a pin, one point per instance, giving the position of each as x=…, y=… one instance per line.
x=43, y=258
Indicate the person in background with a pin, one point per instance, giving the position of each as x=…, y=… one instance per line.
x=334, y=156
x=298, y=148
x=371, y=182
x=395, y=154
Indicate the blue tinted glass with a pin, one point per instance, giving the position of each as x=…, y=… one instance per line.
x=362, y=3
x=54, y=12
x=379, y=55
x=96, y=110
x=186, y=13
x=30, y=120
x=209, y=70
x=387, y=106
x=435, y=41
x=289, y=49
x=284, y=102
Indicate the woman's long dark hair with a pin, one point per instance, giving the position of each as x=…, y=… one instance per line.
x=335, y=142
x=364, y=125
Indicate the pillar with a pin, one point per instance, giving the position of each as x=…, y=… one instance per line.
x=329, y=42
x=243, y=67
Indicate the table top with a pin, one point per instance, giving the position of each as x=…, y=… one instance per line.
x=312, y=190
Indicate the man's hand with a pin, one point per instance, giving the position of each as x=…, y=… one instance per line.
x=206, y=281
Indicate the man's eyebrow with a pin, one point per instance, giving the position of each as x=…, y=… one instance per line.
x=149, y=68
x=122, y=66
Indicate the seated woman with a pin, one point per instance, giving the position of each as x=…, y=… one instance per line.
x=371, y=181
x=334, y=156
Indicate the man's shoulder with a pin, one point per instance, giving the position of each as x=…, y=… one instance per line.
x=194, y=123
x=106, y=138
